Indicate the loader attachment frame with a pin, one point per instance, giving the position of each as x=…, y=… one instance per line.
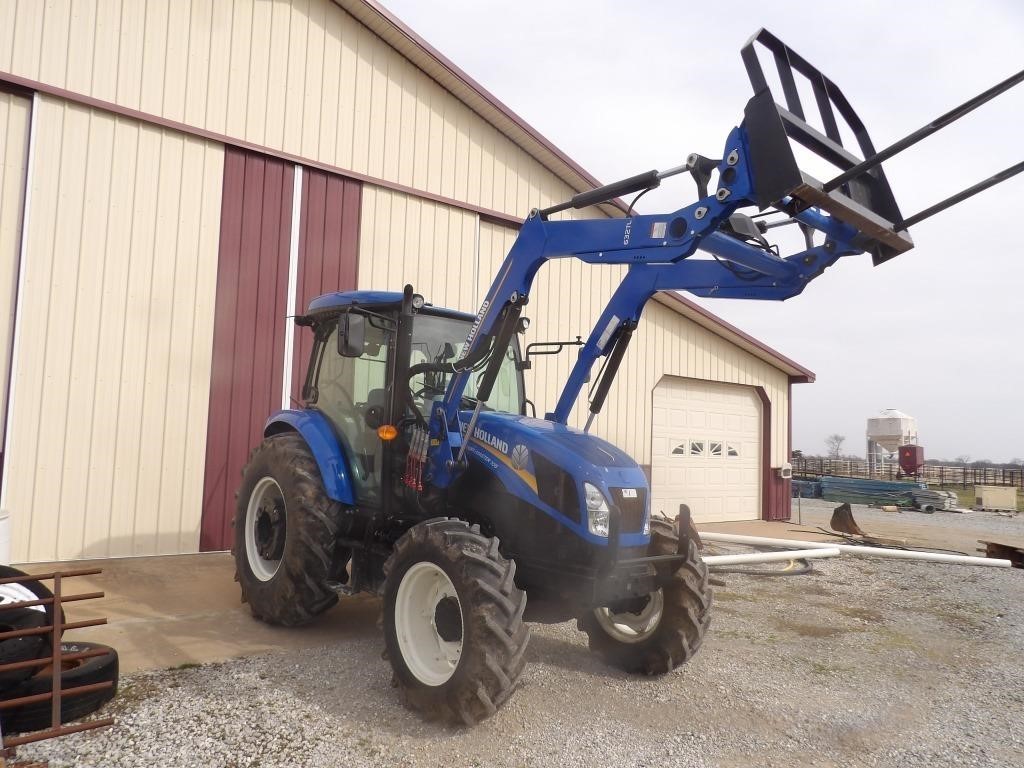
x=860, y=194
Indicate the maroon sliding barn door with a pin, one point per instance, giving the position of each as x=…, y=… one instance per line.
x=328, y=251
x=252, y=304
x=249, y=326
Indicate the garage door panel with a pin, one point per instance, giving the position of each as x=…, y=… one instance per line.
x=717, y=429
x=661, y=446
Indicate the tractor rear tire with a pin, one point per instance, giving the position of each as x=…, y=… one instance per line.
x=285, y=531
x=685, y=614
x=453, y=622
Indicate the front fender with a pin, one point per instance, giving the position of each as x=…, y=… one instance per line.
x=323, y=444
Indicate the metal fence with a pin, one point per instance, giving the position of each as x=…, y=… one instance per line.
x=55, y=660
x=933, y=474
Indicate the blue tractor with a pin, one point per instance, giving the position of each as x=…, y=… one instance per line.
x=414, y=471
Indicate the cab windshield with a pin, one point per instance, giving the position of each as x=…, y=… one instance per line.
x=437, y=339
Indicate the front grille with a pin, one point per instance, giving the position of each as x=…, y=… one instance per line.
x=556, y=487
x=632, y=510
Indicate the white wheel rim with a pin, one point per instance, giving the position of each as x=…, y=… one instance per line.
x=428, y=637
x=266, y=493
x=633, y=627
x=18, y=593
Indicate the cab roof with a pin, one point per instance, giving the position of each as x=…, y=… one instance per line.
x=331, y=302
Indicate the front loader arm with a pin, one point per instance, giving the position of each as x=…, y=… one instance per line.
x=658, y=250
x=855, y=211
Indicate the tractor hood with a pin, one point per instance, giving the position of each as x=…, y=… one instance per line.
x=535, y=458
x=570, y=448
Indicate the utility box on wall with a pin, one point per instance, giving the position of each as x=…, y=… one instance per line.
x=995, y=497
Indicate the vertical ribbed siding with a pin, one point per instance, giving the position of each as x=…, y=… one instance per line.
x=111, y=388
x=15, y=112
x=301, y=76
x=405, y=239
x=328, y=251
x=248, y=341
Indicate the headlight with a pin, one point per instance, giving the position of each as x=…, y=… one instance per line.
x=597, y=510
x=647, y=526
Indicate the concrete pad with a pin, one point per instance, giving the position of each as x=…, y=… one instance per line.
x=167, y=611
x=185, y=609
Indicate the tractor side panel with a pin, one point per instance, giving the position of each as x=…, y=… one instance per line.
x=249, y=327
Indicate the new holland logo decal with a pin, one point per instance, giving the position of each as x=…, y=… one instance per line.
x=518, y=460
x=520, y=457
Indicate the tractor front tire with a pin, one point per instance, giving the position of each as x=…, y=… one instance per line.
x=669, y=630
x=453, y=622
x=285, y=530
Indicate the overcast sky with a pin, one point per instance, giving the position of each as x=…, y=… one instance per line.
x=625, y=87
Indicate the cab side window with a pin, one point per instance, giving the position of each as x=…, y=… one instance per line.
x=346, y=388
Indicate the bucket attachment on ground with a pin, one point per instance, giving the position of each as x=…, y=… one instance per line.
x=842, y=521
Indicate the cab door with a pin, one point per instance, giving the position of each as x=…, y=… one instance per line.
x=350, y=390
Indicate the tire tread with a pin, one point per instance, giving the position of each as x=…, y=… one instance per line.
x=490, y=673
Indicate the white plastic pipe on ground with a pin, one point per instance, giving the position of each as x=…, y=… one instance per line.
x=855, y=549
x=747, y=558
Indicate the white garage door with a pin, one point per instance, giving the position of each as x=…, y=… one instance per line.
x=706, y=450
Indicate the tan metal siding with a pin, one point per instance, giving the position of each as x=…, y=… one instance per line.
x=111, y=394
x=299, y=76
x=404, y=239
x=15, y=112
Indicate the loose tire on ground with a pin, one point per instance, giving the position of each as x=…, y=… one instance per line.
x=285, y=549
x=474, y=584
x=22, y=648
x=685, y=615
x=80, y=672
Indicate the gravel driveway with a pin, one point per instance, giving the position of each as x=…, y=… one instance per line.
x=862, y=663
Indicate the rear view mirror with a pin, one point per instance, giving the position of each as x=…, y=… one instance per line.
x=351, y=335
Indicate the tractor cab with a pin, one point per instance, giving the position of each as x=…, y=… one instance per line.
x=362, y=339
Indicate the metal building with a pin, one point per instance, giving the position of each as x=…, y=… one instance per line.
x=178, y=176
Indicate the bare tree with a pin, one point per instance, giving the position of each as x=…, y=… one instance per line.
x=834, y=445
x=964, y=458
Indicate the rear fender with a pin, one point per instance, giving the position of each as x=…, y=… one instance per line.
x=323, y=444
